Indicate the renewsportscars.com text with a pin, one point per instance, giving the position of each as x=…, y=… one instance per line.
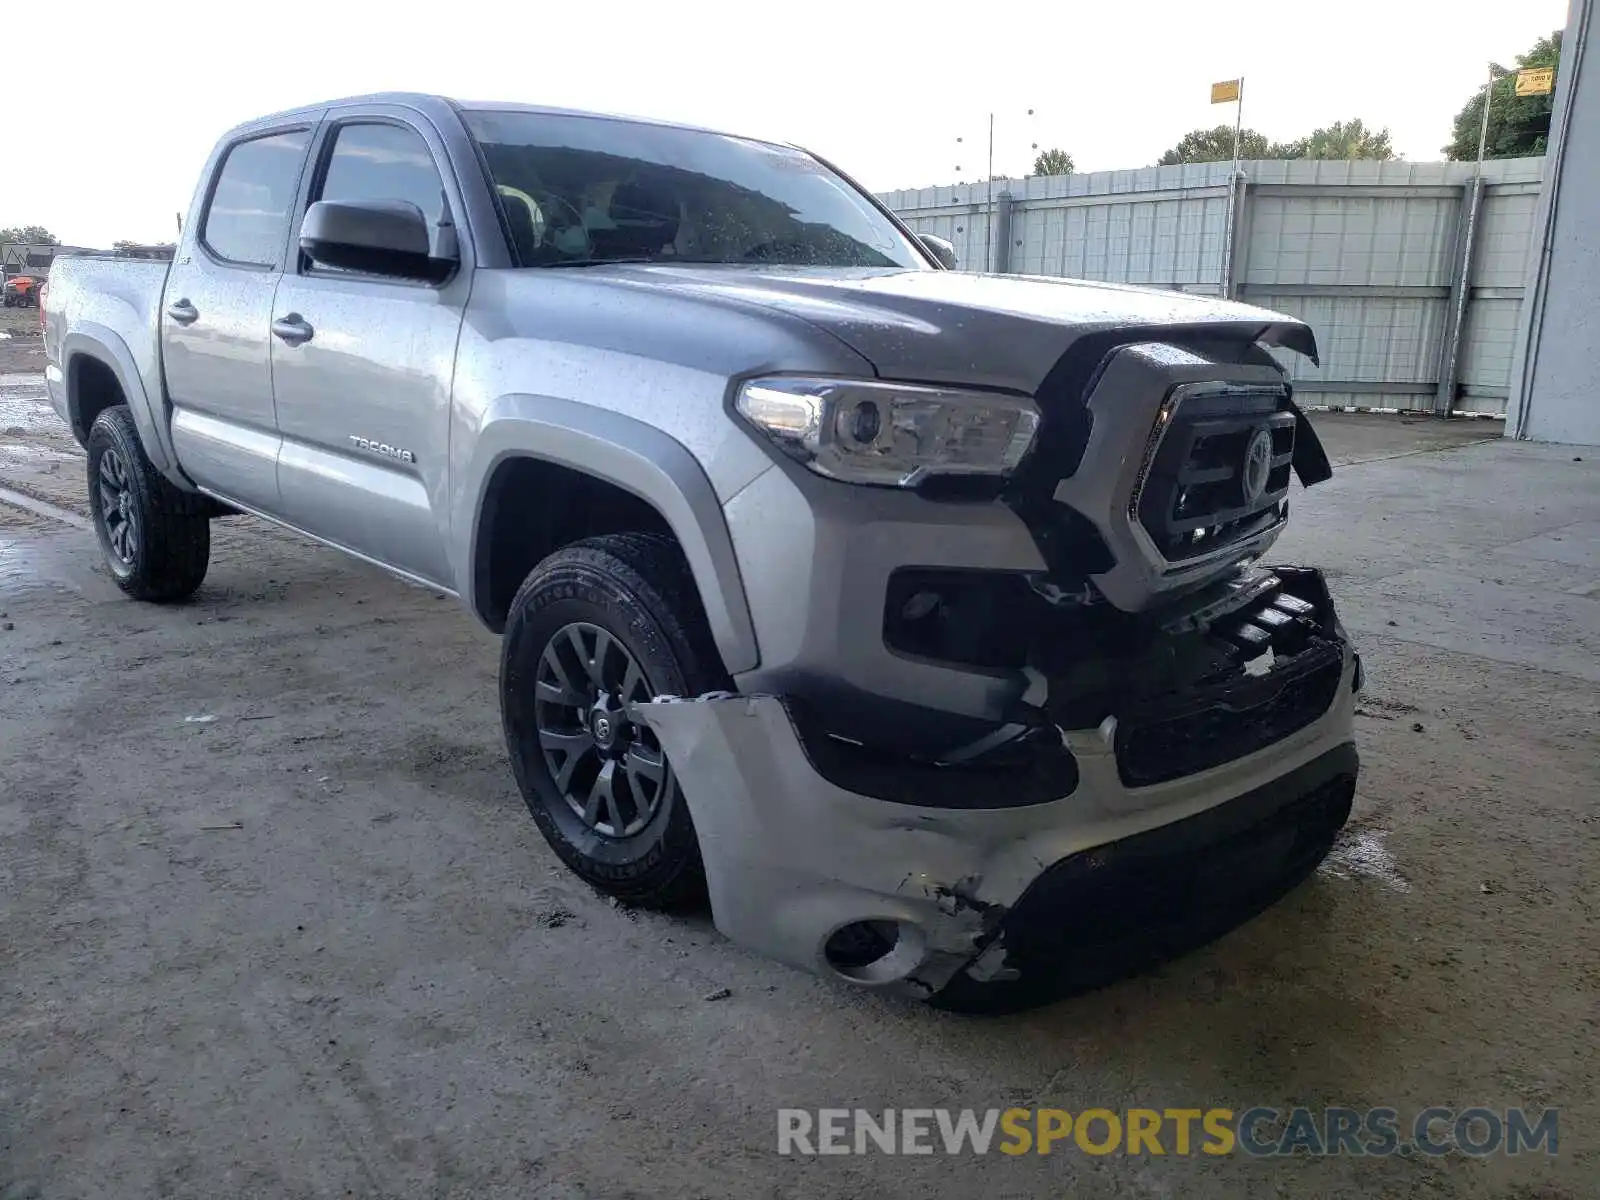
x=1259, y=1131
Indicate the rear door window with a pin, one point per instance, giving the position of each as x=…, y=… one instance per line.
x=247, y=219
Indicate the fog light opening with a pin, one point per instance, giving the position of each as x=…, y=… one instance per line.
x=880, y=950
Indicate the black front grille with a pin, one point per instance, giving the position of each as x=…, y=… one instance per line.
x=1227, y=721
x=1195, y=497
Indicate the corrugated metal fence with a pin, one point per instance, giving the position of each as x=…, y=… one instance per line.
x=1371, y=255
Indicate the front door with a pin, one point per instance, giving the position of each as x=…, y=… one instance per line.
x=216, y=313
x=362, y=365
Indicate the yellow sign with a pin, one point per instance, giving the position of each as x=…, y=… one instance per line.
x=1227, y=91
x=1535, y=81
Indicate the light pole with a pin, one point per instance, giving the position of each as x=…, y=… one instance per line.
x=988, y=241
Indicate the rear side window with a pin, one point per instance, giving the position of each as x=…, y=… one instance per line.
x=384, y=162
x=247, y=220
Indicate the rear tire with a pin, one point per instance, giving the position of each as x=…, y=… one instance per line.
x=155, y=542
x=598, y=625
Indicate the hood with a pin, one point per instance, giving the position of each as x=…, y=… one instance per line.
x=1004, y=331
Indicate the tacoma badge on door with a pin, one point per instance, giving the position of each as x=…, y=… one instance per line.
x=384, y=449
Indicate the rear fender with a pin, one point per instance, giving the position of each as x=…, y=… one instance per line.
x=104, y=345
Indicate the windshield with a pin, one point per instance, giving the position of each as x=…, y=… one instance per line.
x=579, y=189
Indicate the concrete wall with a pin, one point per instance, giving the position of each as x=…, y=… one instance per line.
x=1370, y=254
x=1556, y=398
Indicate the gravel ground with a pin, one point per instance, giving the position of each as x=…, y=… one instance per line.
x=276, y=923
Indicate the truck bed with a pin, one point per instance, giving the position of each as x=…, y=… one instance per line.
x=116, y=302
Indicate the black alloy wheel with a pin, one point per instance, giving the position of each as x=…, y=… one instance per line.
x=608, y=768
x=118, y=508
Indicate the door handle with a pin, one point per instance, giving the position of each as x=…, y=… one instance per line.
x=183, y=312
x=293, y=329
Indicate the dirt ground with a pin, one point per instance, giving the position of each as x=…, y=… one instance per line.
x=274, y=922
x=20, y=322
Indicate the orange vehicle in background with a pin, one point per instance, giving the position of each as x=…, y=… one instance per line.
x=22, y=291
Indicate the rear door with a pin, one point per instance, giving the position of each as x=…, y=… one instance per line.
x=363, y=387
x=217, y=311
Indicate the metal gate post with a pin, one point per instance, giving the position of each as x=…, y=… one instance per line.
x=1004, y=203
x=1460, y=297
x=1238, y=247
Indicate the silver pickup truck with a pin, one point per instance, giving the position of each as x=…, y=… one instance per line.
x=917, y=617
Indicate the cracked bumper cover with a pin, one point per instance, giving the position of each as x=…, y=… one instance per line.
x=790, y=857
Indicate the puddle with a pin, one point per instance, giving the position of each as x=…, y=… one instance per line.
x=22, y=452
x=24, y=406
x=1363, y=855
x=20, y=562
x=37, y=562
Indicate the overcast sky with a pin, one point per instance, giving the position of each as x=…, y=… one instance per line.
x=131, y=96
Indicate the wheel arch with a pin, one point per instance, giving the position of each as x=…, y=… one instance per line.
x=615, y=455
x=95, y=359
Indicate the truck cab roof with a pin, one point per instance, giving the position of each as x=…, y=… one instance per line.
x=435, y=105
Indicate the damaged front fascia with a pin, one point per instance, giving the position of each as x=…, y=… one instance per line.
x=960, y=899
x=1101, y=398
x=970, y=929
x=789, y=857
x=1291, y=335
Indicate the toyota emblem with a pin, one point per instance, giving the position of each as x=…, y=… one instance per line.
x=1257, y=465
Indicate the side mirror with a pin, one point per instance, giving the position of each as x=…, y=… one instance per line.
x=943, y=251
x=375, y=237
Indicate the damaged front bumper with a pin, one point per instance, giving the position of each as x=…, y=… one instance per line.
x=981, y=898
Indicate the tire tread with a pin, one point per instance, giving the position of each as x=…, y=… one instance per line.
x=646, y=576
x=176, y=539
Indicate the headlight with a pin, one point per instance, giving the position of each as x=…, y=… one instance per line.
x=890, y=433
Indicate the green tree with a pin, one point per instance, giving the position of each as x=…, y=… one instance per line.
x=1342, y=139
x=1053, y=162
x=1216, y=145
x=1519, y=126
x=34, y=235
x=1346, y=140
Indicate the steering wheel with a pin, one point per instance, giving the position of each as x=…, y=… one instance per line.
x=569, y=239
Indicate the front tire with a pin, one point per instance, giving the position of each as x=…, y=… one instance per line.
x=604, y=623
x=154, y=543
